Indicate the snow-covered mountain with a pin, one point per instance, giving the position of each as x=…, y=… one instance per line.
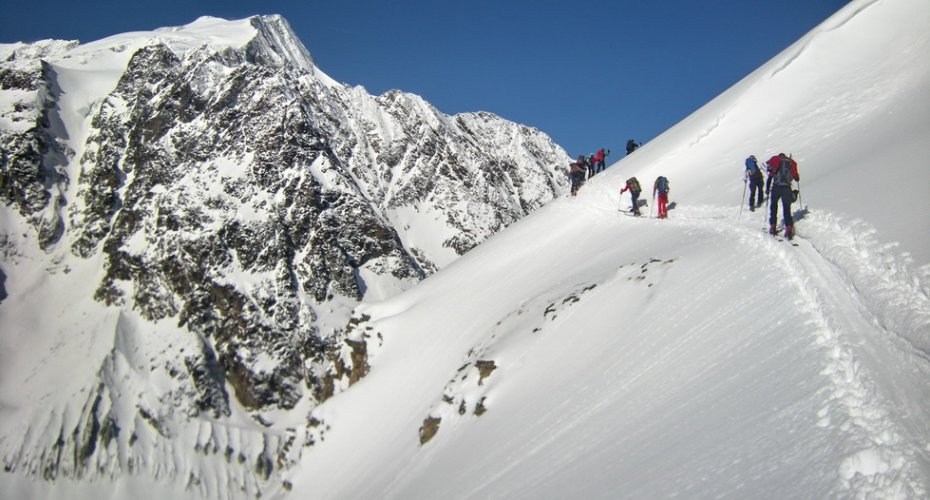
x=584, y=353
x=188, y=218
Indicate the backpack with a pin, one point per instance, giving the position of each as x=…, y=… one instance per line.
x=752, y=166
x=662, y=184
x=634, y=184
x=783, y=174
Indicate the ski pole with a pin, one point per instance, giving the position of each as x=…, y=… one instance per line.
x=654, y=204
x=743, y=199
x=768, y=210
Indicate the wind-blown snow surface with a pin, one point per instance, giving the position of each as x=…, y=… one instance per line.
x=695, y=356
x=584, y=353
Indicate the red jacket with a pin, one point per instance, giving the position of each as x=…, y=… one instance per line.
x=631, y=185
x=775, y=161
x=599, y=156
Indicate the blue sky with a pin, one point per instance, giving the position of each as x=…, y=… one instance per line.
x=590, y=73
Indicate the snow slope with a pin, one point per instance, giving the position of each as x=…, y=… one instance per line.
x=610, y=356
x=584, y=353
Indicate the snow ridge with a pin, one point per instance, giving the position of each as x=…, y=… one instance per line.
x=754, y=368
x=277, y=41
x=581, y=353
x=835, y=22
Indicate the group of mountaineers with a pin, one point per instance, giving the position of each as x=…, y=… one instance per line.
x=782, y=169
x=586, y=167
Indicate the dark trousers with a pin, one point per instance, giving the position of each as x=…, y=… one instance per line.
x=755, y=192
x=635, y=196
x=782, y=193
x=577, y=181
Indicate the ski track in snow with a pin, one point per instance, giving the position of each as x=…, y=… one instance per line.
x=891, y=309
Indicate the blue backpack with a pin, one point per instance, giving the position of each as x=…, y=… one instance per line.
x=752, y=166
x=662, y=184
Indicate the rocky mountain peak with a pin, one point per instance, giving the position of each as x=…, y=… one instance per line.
x=222, y=191
x=276, y=43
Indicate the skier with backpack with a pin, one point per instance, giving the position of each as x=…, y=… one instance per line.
x=782, y=170
x=632, y=185
x=661, y=186
x=755, y=179
x=576, y=173
x=631, y=146
x=599, y=158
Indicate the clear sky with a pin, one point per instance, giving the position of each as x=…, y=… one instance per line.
x=590, y=73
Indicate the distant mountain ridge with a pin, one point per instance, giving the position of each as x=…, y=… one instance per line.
x=213, y=186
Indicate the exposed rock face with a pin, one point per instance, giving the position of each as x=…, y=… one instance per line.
x=32, y=156
x=240, y=194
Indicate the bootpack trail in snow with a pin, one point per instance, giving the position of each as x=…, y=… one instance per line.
x=865, y=304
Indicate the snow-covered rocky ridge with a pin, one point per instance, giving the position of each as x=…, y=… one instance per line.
x=189, y=216
x=584, y=353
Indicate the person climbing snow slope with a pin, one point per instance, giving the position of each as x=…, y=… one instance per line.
x=632, y=185
x=577, y=170
x=631, y=146
x=756, y=181
x=599, y=160
x=782, y=170
x=661, y=187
